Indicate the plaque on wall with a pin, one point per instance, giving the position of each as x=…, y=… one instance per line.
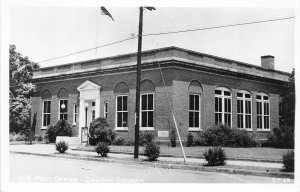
x=163, y=133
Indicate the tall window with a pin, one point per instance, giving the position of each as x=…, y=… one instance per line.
x=46, y=113
x=93, y=115
x=147, y=110
x=263, y=111
x=63, y=113
x=74, y=114
x=223, y=106
x=105, y=110
x=122, y=111
x=194, y=111
x=244, y=110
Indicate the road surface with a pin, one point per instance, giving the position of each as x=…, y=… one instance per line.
x=31, y=168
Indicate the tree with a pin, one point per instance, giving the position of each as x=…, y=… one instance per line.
x=20, y=90
x=288, y=102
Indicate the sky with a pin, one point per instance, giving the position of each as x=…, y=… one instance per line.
x=43, y=33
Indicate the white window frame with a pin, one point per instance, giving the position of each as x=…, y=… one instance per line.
x=243, y=113
x=59, y=113
x=262, y=101
x=75, y=117
x=105, y=113
x=223, y=97
x=116, y=118
x=45, y=127
x=199, y=111
x=147, y=110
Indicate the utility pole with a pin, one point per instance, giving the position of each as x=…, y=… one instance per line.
x=138, y=80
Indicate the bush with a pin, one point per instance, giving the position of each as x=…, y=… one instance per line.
x=62, y=128
x=288, y=161
x=17, y=137
x=215, y=156
x=102, y=148
x=282, y=137
x=152, y=151
x=50, y=134
x=221, y=135
x=200, y=140
x=119, y=141
x=190, y=140
x=128, y=142
x=62, y=146
x=100, y=132
x=145, y=137
x=173, y=137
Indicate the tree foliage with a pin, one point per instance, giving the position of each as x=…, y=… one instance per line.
x=20, y=90
x=288, y=102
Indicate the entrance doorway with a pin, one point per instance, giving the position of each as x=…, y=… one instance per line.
x=90, y=110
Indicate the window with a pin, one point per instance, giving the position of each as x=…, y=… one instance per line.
x=122, y=111
x=75, y=114
x=263, y=111
x=105, y=110
x=46, y=113
x=63, y=113
x=93, y=115
x=244, y=110
x=147, y=110
x=223, y=106
x=194, y=111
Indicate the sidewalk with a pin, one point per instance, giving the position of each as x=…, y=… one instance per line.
x=233, y=166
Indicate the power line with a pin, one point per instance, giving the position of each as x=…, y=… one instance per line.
x=221, y=26
x=169, y=32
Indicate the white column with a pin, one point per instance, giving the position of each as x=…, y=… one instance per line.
x=81, y=116
x=97, y=107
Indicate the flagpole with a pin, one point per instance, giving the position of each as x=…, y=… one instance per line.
x=138, y=80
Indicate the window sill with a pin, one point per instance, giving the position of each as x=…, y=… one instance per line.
x=249, y=130
x=43, y=128
x=263, y=130
x=195, y=129
x=146, y=128
x=121, y=129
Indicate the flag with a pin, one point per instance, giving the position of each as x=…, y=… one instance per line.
x=150, y=8
x=105, y=12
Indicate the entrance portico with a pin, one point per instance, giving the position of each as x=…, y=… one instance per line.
x=90, y=94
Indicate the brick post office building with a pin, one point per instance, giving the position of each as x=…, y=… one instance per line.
x=200, y=89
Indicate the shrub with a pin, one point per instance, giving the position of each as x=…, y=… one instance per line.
x=145, y=137
x=215, y=156
x=40, y=138
x=128, y=142
x=152, y=151
x=221, y=135
x=17, y=137
x=62, y=146
x=62, y=128
x=288, y=161
x=119, y=141
x=173, y=137
x=102, y=148
x=282, y=137
x=190, y=140
x=100, y=131
x=200, y=140
x=50, y=134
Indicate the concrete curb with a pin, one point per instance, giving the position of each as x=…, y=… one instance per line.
x=168, y=165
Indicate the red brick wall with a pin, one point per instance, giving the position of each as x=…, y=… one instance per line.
x=177, y=81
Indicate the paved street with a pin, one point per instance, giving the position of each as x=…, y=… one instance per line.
x=50, y=169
